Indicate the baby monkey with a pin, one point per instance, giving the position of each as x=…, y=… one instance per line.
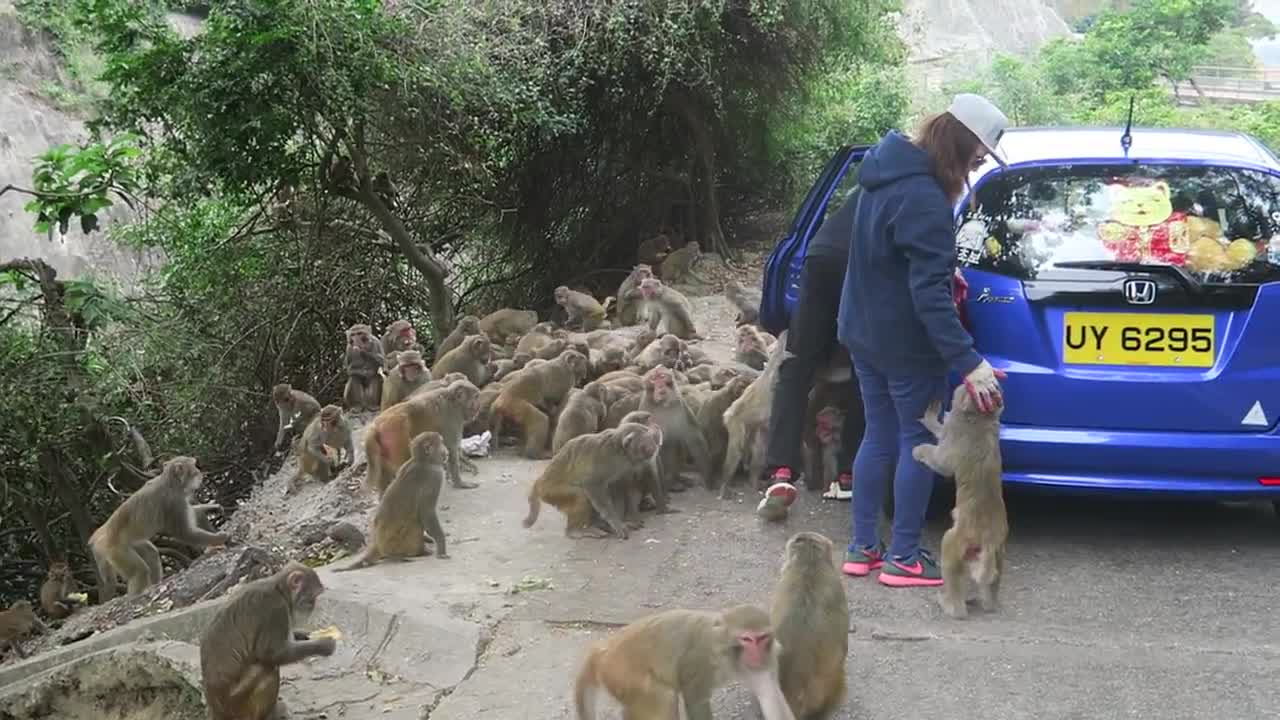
x=968, y=450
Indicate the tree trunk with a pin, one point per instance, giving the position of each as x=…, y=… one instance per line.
x=704, y=156
x=65, y=487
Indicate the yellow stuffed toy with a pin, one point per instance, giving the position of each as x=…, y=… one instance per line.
x=1143, y=225
x=1210, y=252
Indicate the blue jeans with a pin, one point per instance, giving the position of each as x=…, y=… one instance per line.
x=894, y=405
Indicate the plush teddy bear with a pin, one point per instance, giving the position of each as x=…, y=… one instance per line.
x=1143, y=226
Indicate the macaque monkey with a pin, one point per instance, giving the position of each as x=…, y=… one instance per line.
x=295, y=409
x=748, y=304
x=582, y=309
x=56, y=591
x=642, y=340
x=711, y=418
x=364, y=364
x=341, y=176
x=678, y=266
x=551, y=350
x=607, y=360
x=583, y=412
x=16, y=622
x=506, y=367
x=408, y=507
x=644, y=479
x=410, y=373
x=747, y=421
x=668, y=309
x=623, y=380
x=579, y=479
x=628, y=298
x=694, y=396
x=527, y=395
x=700, y=374
x=665, y=351
x=653, y=250
x=663, y=401
x=400, y=336
x=386, y=190
x=467, y=325
x=330, y=428
x=968, y=450
x=822, y=449
x=503, y=325
x=251, y=636
x=655, y=662
x=470, y=358
x=122, y=545
x=445, y=411
x=722, y=375
x=810, y=616
x=750, y=348
x=621, y=406
x=536, y=338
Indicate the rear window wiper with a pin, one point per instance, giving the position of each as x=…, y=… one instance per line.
x=1192, y=285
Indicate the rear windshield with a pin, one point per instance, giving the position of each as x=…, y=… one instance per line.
x=1222, y=224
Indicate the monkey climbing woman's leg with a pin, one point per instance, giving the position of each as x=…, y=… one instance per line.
x=873, y=466
x=907, y=564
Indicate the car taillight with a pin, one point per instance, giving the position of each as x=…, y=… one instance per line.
x=1269, y=481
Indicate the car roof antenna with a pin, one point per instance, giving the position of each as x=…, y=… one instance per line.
x=1126, y=140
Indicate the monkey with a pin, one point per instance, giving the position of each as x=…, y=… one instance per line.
x=16, y=622
x=551, y=350
x=470, y=358
x=747, y=304
x=526, y=393
x=251, y=636
x=123, y=545
x=822, y=448
x=711, y=418
x=694, y=396
x=723, y=374
x=810, y=617
x=700, y=374
x=408, y=507
x=749, y=348
x=678, y=266
x=664, y=351
x=341, y=176
x=56, y=591
x=386, y=190
x=363, y=363
x=410, y=373
x=644, y=479
x=583, y=412
x=536, y=338
x=747, y=419
x=642, y=340
x=968, y=450
x=655, y=662
x=503, y=325
x=653, y=250
x=607, y=360
x=467, y=325
x=400, y=336
x=438, y=383
x=578, y=481
x=506, y=367
x=330, y=428
x=668, y=307
x=622, y=380
x=680, y=431
x=295, y=409
x=627, y=300
x=621, y=406
x=445, y=411
x=582, y=309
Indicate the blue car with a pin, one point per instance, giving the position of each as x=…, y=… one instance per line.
x=1130, y=294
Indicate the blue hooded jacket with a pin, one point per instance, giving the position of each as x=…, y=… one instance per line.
x=896, y=310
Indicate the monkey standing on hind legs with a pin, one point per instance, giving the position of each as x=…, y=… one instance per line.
x=329, y=428
x=251, y=636
x=968, y=450
x=295, y=409
x=364, y=365
x=408, y=507
x=122, y=545
x=810, y=616
x=655, y=662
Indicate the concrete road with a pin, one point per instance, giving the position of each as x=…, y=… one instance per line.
x=1111, y=609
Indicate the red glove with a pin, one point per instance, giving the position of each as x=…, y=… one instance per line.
x=959, y=288
x=983, y=386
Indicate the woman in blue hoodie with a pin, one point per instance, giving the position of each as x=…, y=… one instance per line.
x=899, y=321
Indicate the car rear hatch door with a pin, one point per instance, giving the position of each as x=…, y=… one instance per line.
x=1148, y=343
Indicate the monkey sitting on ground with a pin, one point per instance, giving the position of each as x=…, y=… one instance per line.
x=400, y=336
x=747, y=304
x=583, y=413
x=628, y=297
x=669, y=311
x=582, y=309
x=123, y=545
x=16, y=622
x=445, y=410
x=678, y=266
x=56, y=591
x=410, y=373
x=364, y=364
x=470, y=358
x=579, y=479
x=665, y=351
x=467, y=325
x=251, y=636
x=408, y=507
x=502, y=326
x=655, y=662
x=506, y=367
x=643, y=480
x=652, y=251
x=810, y=616
x=663, y=400
x=527, y=394
x=750, y=348
x=295, y=409
x=968, y=450
x=747, y=420
x=330, y=428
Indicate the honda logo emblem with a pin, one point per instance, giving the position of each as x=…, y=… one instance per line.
x=1140, y=292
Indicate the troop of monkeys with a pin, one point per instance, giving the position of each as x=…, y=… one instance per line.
x=619, y=417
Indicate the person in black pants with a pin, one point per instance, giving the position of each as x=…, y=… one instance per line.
x=811, y=341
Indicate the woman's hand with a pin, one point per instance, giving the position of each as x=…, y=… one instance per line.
x=984, y=387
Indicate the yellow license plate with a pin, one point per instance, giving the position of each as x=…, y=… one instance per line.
x=1137, y=339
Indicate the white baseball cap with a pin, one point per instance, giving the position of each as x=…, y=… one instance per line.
x=983, y=119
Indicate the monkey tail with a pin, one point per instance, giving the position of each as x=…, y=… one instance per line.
x=535, y=506
x=367, y=558
x=373, y=450
x=586, y=689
